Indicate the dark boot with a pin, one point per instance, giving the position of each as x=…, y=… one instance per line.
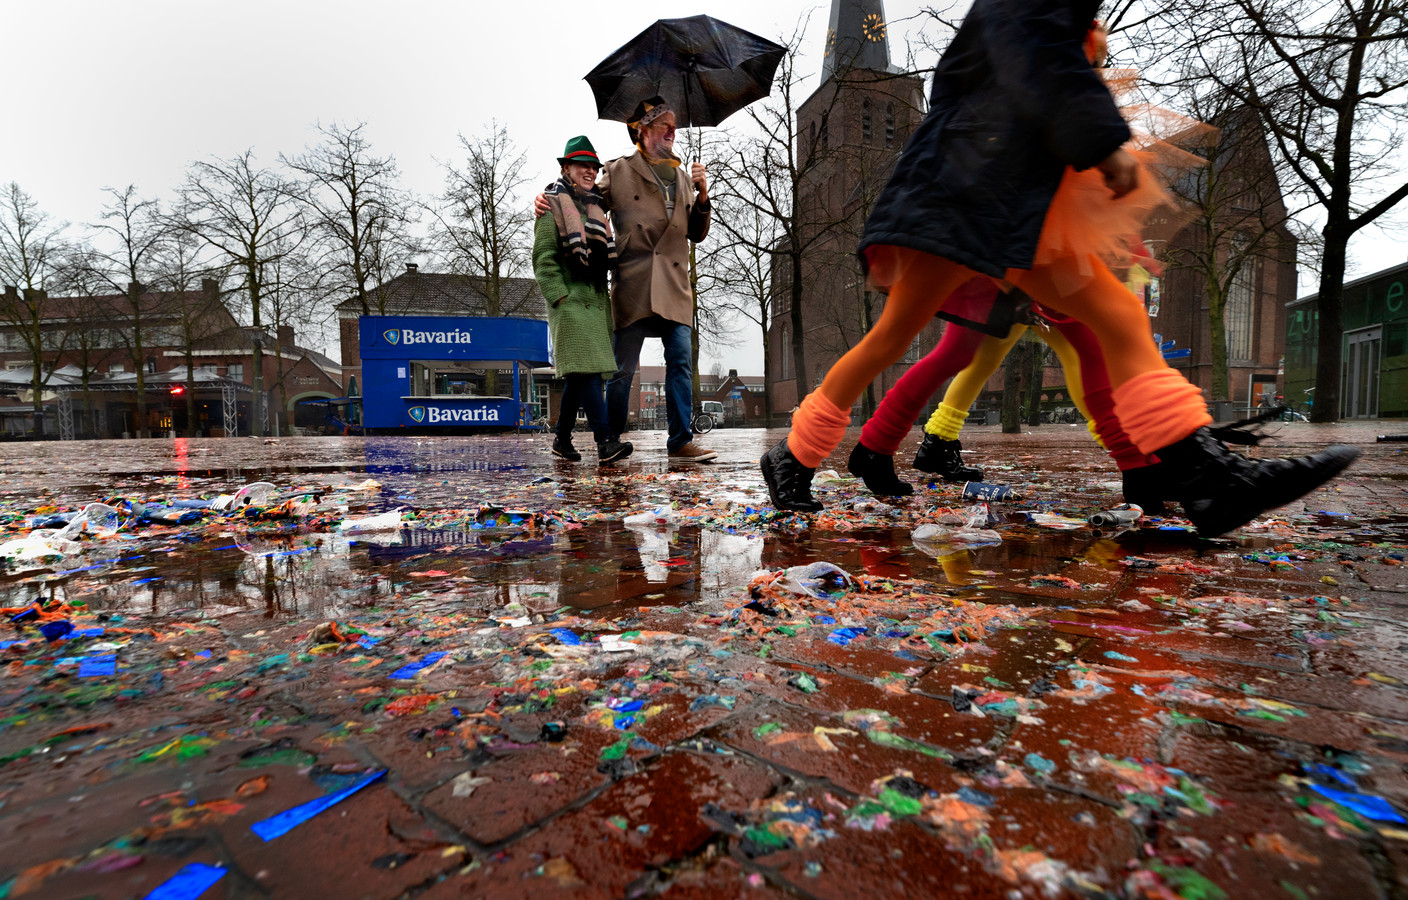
x=877, y=470
x=1221, y=490
x=789, y=482
x=610, y=449
x=1148, y=487
x=942, y=458
x=562, y=447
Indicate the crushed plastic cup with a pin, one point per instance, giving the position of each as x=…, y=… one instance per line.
x=660, y=517
x=38, y=546
x=256, y=494
x=388, y=521
x=818, y=579
x=952, y=529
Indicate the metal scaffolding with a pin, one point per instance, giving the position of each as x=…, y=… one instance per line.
x=65, y=416
x=232, y=418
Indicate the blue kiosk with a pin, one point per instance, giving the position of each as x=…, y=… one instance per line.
x=433, y=373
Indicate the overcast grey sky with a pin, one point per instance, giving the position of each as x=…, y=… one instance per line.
x=106, y=94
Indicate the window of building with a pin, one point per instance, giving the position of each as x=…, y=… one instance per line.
x=116, y=369
x=889, y=124
x=235, y=371
x=912, y=354
x=812, y=130
x=1237, y=315
x=865, y=122
x=825, y=130
x=784, y=352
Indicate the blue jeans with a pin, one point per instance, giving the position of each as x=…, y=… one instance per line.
x=679, y=387
x=582, y=391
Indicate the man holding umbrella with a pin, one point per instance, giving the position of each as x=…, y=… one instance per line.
x=657, y=211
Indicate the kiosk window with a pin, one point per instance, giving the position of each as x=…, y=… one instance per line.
x=460, y=379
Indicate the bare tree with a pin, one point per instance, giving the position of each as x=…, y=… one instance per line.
x=482, y=226
x=1325, y=80
x=291, y=283
x=360, y=219
x=738, y=269
x=1235, y=218
x=767, y=173
x=249, y=216
x=132, y=230
x=92, y=341
x=199, y=319
x=33, y=254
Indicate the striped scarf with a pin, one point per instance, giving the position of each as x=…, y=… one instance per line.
x=585, y=241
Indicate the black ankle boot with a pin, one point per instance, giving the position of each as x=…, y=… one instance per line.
x=562, y=447
x=877, y=470
x=1221, y=490
x=789, y=482
x=1149, y=487
x=610, y=449
x=942, y=458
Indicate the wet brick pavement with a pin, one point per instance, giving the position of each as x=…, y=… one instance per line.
x=1065, y=713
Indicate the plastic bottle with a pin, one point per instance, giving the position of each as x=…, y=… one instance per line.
x=1121, y=516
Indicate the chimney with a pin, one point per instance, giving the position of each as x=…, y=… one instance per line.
x=732, y=373
x=412, y=268
x=135, y=288
x=285, y=336
x=210, y=288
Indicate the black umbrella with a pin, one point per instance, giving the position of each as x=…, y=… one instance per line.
x=705, y=69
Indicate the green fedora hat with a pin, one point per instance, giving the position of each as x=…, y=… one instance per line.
x=580, y=150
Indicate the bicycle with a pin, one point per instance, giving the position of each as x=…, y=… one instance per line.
x=702, y=423
x=1293, y=414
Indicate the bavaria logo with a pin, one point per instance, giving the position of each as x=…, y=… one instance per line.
x=393, y=336
x=417, y=413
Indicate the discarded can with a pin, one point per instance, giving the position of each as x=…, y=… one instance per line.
x=982, y=490
x=1122, y=515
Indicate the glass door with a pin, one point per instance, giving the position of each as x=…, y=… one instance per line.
x=1359, y=383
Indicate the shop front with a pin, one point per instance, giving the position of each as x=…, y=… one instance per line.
x=440, y=373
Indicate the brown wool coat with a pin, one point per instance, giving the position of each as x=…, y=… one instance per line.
x=653, y=252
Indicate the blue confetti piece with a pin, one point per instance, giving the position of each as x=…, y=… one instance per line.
x=286, y=821
x=1334, y=774
x=410, y=671
x=624, y=722
x=1115, y=654
x=1367, y=805
x=975, y=797
x=56, y=630
x=843, y=636
x=6, y=645
x=188, y=883
x=567, y=636
x=87, y=632
x=98, y=666
x=825, y=620
x=204, y=654
x=625, y=705
x=146, y=580
x=368, y=641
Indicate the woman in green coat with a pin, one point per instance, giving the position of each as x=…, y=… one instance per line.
x=573, y=251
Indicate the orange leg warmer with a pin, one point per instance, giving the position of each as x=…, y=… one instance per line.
x=1159, y=408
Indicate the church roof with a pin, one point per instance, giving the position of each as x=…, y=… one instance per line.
x=856, y=37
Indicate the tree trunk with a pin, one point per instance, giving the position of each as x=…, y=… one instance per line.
x=1036, y=377
x=1012, y=391
x=794, y=313
x=1330, y=325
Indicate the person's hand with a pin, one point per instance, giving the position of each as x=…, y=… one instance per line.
x=540, y=206
x=699, y=175
x=1121, y=172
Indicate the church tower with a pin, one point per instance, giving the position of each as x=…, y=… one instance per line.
x=849, y=133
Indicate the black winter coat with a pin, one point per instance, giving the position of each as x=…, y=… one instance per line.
x=1014, y=102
